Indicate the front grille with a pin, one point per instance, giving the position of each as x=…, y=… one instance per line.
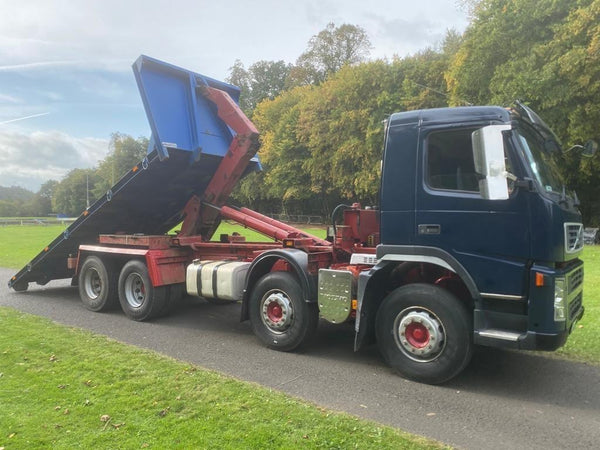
x=575, y=306
x=573, y=237
x=575, y=279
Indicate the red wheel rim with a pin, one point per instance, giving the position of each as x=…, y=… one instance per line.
x=417, y=335
x=274, y=312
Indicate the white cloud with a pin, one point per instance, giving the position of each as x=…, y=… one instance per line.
x=5, y=98
x=30, y=159
x=201, y=35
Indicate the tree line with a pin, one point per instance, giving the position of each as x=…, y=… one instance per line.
x=322, y=141
x=321, y=118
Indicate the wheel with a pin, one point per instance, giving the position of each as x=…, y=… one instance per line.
x=20, y=286
x=424, y=333
x=279, y=316
x=139, y=299
x=98, y=281
x=174, y=295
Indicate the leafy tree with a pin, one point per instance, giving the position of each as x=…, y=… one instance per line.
x=70, y=194
x=8, y=208
x=330, y=50
x=262, y=80
x=124, y=153
x=500, y=31
x=41, y=204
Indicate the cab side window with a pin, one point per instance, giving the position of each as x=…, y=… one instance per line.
x=449, y=161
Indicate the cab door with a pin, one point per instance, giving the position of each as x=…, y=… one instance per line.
x=490, y=238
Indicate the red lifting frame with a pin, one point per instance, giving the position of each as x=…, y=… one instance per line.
x=243, y=147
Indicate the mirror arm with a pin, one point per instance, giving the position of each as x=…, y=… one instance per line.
x=526, y=183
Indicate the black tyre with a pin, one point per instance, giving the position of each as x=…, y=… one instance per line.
x=20, y=286
x=279, y=316
x=424, y=333
x=174, y=295
x=98, y=282
x=139, y=299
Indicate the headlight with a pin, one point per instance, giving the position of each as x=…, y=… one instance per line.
x=559, y=300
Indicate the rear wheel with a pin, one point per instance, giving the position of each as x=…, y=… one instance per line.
x=279, y=315
x=424, y=333
x=175, y=295
x=139, y=299
x=98, y=279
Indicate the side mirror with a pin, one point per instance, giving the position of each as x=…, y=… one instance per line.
x=590, y=148
x=488, y=155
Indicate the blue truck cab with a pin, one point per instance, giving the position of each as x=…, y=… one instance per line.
x=503, y=235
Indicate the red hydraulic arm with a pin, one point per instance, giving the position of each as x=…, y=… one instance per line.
x=283, y=226
x=204, y=221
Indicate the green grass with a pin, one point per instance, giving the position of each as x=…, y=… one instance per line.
x=20, y=244
x=584, y=342
x=66, y=388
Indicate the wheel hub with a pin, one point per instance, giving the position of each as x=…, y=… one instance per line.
x=135, y=291
x=419, y=334
x=92, y=283
x=276, y=311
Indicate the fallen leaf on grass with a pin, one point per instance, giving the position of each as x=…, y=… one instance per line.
x=118, y=425
x=62, y=386
x=164, y=412
x=12, y=435
x=104, y=418
x=56, y=408
x=53, y=358
x=66, y=411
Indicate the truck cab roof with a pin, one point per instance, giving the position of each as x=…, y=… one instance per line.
x=455, y=115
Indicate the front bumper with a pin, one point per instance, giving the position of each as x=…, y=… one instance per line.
x=535, y=328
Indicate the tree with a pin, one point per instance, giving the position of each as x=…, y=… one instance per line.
x=330, y=50
x=41, y=205
x=501, y=31
x=124, y=153
x=70, y=194
x=262, y=80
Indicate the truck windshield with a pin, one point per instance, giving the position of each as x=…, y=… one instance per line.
x=542, y=154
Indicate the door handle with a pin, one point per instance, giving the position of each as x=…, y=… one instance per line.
x=427, y=228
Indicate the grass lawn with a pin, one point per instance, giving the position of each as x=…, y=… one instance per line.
x=584, y=342
x=66, y=388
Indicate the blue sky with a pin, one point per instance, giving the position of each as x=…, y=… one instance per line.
x=65, y=66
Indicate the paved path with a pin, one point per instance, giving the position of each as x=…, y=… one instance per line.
x=503, y=399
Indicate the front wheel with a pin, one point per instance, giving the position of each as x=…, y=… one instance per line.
x=279, y=315
x=139, y=299
x=424, y=333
